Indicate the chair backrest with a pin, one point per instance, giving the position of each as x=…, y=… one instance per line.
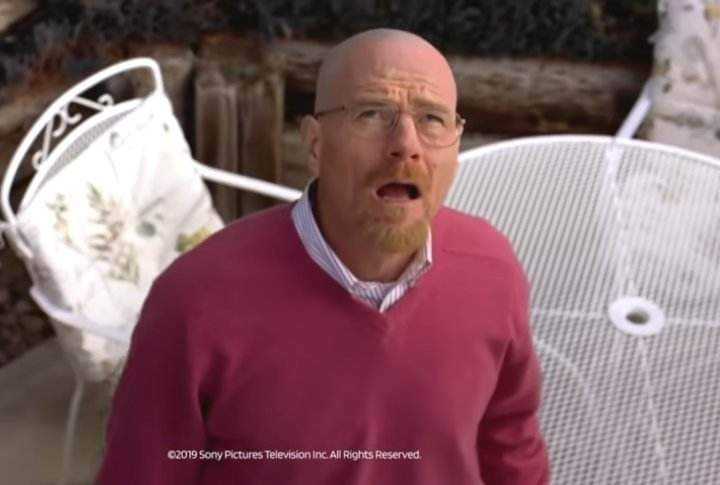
x=112, y=203
x=57, y=121
x=621, y=243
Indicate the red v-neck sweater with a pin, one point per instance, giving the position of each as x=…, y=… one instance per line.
x=246, y=347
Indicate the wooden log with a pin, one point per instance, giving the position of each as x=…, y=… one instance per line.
x=515, y=96
x=302, y=61
x=239, y=111
x=13, y=10
x=533, y=96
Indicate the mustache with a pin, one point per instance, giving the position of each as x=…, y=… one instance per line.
x=409, y=173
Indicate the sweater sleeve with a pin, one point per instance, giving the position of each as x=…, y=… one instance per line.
x=156, y=408
x=510, y=447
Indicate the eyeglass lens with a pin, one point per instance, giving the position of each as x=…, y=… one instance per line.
x=435, y=127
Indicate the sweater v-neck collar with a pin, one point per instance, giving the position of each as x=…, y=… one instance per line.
x=388, y=321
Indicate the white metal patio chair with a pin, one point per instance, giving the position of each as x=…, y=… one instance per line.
x=115, y=198
x=621, y=242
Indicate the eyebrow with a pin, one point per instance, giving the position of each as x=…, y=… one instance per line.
x=371, y=100
x=416, y=103
x=427, y=104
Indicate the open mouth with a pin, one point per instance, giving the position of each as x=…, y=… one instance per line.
x=399, y=191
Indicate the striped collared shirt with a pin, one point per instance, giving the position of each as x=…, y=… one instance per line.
x=378, y=294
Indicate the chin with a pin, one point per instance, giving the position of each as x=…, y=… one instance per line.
x=398, y=239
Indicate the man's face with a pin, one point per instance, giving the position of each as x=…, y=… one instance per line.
x=386, y=190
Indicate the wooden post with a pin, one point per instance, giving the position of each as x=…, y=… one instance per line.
x=239, y=110
x=216, y=138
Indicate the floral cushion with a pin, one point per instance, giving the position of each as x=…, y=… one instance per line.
x=105, y=225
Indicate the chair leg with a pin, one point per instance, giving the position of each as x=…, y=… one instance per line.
x=70, y=425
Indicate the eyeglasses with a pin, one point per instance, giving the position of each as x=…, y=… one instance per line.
x=375, y=121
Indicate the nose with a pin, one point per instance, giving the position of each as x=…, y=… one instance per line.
x=403, y=140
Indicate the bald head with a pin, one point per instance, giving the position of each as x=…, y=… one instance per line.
x=372, y=50
x=360, y=159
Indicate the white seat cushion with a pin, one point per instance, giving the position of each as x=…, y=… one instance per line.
x=106, y=224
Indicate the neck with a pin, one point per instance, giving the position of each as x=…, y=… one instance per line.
x=369, y=265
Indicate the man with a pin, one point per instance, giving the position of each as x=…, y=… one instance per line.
x=363, y=335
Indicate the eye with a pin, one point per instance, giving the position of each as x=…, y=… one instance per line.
x=435, y=120
x=372, y=113
x=368, y=113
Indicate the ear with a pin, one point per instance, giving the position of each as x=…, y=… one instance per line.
x=310, y=131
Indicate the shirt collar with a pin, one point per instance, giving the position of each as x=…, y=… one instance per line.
x=319, y=250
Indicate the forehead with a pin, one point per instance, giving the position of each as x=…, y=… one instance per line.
x=401, y=71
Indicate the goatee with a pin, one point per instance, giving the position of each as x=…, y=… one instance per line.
x=386, y=231
x=393, y=239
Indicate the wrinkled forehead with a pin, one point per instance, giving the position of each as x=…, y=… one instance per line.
x=403, y=69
